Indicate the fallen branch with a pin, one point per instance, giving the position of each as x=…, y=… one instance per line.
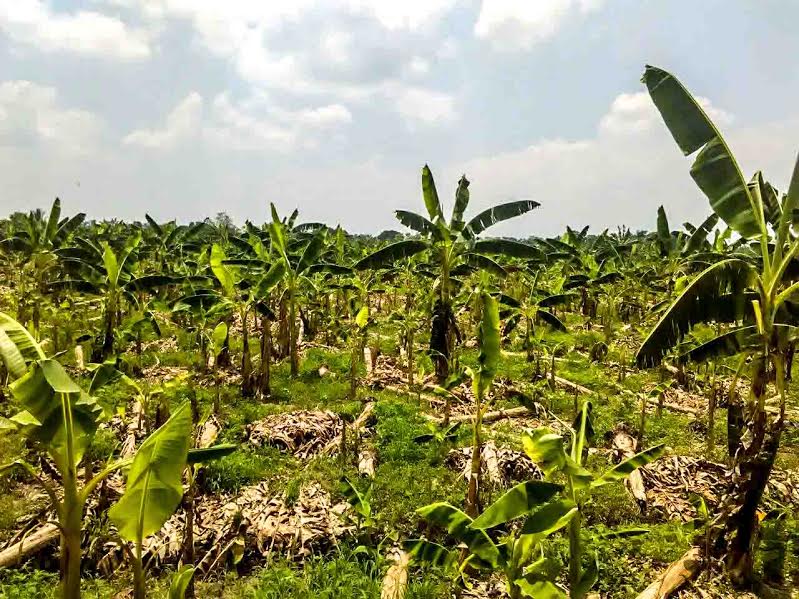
x=626, y=446
x=676, y=575
x=673, y=407
x=519, y=412
x=572, y=386
x=30, y=543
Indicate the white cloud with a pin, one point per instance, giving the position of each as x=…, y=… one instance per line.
x=33, y=23
x=405, y=14
x=633, y=113
x=253, y=124
x=520, y=24
x=618, y=176
x=30, y=113
x=182, y=123
x=329, y=62
x=417, y=105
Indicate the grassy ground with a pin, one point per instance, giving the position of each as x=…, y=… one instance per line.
x=408, y=476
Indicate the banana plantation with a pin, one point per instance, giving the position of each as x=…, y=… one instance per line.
x=285, y=410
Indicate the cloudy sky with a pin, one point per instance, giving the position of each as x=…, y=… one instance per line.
x=185, y=108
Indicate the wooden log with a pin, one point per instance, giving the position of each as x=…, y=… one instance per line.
x=30, y=543
x=626, y=447
x=676, y=575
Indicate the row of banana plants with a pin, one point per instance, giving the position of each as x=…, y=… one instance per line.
x=61, y=419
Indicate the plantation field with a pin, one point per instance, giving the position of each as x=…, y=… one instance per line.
x=284, y=410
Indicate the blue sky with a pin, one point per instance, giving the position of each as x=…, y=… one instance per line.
x=185, y=108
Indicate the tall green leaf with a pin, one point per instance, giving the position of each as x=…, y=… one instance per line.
x=430, y=194
x=697, y=303
x=180, y=582
x=508, y=247
x=18, y=348
x=154, y=483
x=715, y=170
x=391, y=253
x=624, y=469
x=492, y=216
x=222, y=271
x=461, y=202
x=414, y=221
x=489, y=338
x=517, y=502
x=44, y=392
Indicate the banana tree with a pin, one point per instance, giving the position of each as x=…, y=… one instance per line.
x=752, y=293
x=452, y=245
x=101, y=271
x=492, y=546
x=295, y=275
x=530, y=308
x=61, y=418
x=34, y=239
x=552, y=454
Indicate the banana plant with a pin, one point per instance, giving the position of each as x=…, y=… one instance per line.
x=154, y=486
x=482, y=378
x=752, y=294
x=238, y=290
x=295, y=274
x=61, y=418
x=453, y=246
x=35, y=240
x=493, y=544
x=530, y=308
x=555, y=458
x=218, y=338
x=101, y=271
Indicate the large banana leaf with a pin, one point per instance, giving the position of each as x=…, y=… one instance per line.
x=391, y=253
x=552, y=320
x=154, y=483
x=715, y=170
x=312, y=251
x=52, y=221
x=772, y=208
x=489, y=339
x=699, y=236
x=663, y=232
x=222, y=272
x=43, y=393
x=414, y=221
x=457, y=524
x=492, y=216
x=625, y=468
x=697, y=303
x=424, y=551
x=430, y=194
x=557, y=299
x=519, y=501
x=18, y=348
x=486, y=263
x=508, y=247
x=461, y=202
x=552, y=516
x=727, y=344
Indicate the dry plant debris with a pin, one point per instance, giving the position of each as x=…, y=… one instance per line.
x=303, y=433
x=671, y=481
x=502, y=467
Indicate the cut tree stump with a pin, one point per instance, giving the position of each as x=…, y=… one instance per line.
x=30, y=543
x=676, y=575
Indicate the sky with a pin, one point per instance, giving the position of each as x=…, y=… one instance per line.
x=186, y=108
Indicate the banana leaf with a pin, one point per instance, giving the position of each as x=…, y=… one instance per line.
x=154, y=485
